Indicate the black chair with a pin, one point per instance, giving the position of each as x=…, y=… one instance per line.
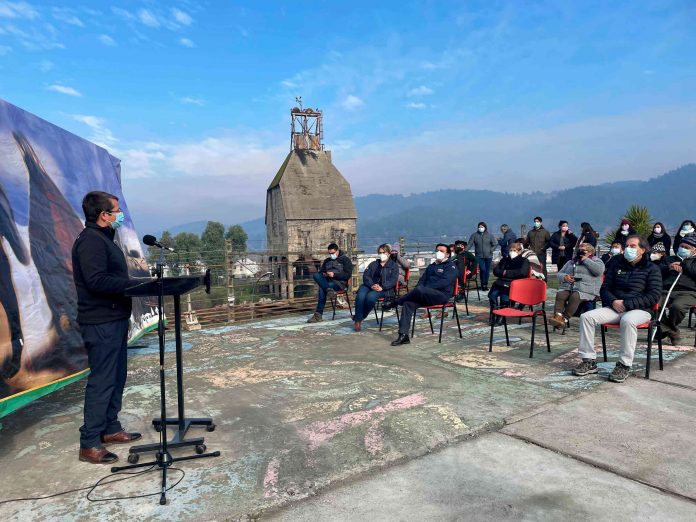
x=334, y=299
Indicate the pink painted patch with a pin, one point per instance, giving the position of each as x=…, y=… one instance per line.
x=320, y=432
x=374, y=437
x=270, y=481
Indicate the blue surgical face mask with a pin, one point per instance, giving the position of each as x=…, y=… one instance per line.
x=686, y=228
x=118, y=221
x=615, y=251
x=630, y=254
x=537, y=224
x=684, y=253
x=333, y=256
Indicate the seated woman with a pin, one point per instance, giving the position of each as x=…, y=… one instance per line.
x=509, y=269
x=581, y=279
x=658, y=253
x=379, y=280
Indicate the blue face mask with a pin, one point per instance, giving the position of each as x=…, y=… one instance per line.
x=537, y=224
x=630, y=254
x=118, y=221
x=684, y=253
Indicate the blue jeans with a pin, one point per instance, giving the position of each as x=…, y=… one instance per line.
x=324, y=284
x=497, y=292
x=365, y=301
x=485, y=269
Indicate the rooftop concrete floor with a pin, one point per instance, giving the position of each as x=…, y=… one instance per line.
x=303, y=408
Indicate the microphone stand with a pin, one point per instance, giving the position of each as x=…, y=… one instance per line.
x=163, y=459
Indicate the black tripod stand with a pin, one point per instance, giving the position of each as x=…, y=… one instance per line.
x=163, y=459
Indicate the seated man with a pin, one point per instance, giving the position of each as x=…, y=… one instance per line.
x=334, y=274
x=615, y=252
x=466, y=261
x=434, y=287
x=631, y=287
x=683, y=296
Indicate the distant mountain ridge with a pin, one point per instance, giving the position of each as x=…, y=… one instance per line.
x=455, y=213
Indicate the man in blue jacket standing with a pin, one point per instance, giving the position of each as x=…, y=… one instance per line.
x=632, y=286
x=506, y=241
x=101, y=277
x=434, y=287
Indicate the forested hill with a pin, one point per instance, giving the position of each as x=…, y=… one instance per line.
x=455, y=213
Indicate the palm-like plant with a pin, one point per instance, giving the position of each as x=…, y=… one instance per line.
x=640, y=219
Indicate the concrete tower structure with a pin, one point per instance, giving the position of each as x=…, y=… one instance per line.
x=309, y=204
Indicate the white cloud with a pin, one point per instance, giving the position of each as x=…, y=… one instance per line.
x=67, y=16
x=107, y=40
x=146, y=17
x=188, y=100
x=420, y=91
x=187, y=43
x=289, y=84
x=182, y=17
x=101, y=135
x=36, y=38
x=126, y=15
x=416, y=105
x=64, y=89
x=17, y=10
x=352, y=103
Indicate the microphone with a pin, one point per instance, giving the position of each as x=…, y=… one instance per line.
x=152, y=241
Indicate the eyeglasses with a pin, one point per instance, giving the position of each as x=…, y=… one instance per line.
x=113, y=211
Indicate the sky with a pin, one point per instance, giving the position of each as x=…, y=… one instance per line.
x=194, y=96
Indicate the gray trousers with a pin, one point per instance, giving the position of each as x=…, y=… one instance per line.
x=629, y=331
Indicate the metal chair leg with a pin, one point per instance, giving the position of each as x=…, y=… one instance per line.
x=546, y=329
x=413, y=327
x=490, y=342
x=381, y=319
x=507, y=337
x=333, y=305
x=604, y=342
x=648, y=355
x=456, y=315
x=442, y=322
x=430, y=318
x=531, y=346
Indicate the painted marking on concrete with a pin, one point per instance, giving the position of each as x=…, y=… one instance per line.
x=479, y=360
x=320, y=432
x=270, y=481
x=249, y=375
x=374, y=437
x=449, y=415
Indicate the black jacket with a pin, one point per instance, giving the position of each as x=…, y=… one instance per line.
x=557, y=240
x=639, y=285
x=100, y=274
x=621, y=238
x=517, y=268
x=441, y=277
x=342, y=267
x=687, y=281
x=664, y=239
x=388, y=278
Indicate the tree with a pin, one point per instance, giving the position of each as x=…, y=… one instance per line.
x=213, y=247
x=189, y=247
x=238, y=237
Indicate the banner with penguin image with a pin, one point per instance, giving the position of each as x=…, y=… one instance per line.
x=45, y=171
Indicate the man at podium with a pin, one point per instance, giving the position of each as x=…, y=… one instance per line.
x=101, y=277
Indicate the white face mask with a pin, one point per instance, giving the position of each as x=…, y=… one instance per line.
x=333, y=256
x=482, y=229
x=624, y=232
x=440, y=256
x=564, y=229
x=383, y=257
x=658, y=230
x=655, y=257
x=625, y=227
x=513, y=254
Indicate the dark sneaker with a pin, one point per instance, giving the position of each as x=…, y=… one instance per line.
x=619, y=373
x=586, y=367
x=674, y=338
x=316, y=318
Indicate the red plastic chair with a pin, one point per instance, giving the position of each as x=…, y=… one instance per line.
x=473, y=277
x=527, y=292
x=345, y=292
x=452, y=303
x=653, y=323
x=380, y=319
